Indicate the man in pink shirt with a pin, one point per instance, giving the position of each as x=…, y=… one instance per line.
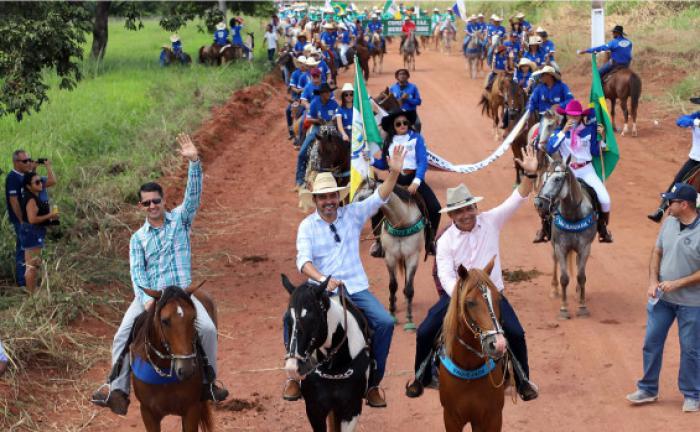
x=472, y=241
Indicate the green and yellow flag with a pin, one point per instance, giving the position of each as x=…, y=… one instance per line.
x=364, y=132
x=605, y=164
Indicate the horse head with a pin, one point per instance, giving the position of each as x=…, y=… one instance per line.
x=514, y=99
x=308, y=310
x=548, y=123
x=172, y=326
x=555, y=185
x=474, y=309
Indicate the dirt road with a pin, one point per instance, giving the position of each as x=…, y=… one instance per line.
x=244, y=238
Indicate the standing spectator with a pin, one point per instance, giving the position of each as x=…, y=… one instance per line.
x=271, y=39
x=674, y=293
x=3, y=360
x=36, y=214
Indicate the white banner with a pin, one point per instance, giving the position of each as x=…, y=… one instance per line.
x=597, y=27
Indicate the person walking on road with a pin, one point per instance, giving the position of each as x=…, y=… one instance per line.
x=674, y=294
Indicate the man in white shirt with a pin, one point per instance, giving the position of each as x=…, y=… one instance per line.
x=271, y=40
x=328, y=245
x=472, y=241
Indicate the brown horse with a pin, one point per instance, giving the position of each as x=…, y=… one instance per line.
x=329, y=153
x=363, y=54
x=165, y=339
x=170, y=58
x=376, y=52
x=230, y=53
x=515, y=100
x=473, y=363
x=623, y=84
x=493, y=102
x=387, y=101
x=210, y=54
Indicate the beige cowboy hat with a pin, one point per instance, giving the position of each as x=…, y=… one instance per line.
x=527, y=62
x=301, y=60
x=436, y=10
x=480, y=15
x=540, y=30
x=174, y=38
x=534, y=40
x=458, y=197
x=347, y=87
x=472, y=17
x=323, y=183
x=519, y=15
x=496, y=18
x=309, y=47
x=548, y=70
x=342, y=26
x=221, y=26
x=311, y=62
x=328, y=26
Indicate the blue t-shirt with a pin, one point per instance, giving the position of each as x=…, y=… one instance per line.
x=345, y=115
x=326, y=112
x=374, y=26
x=411, y=90
x=548, y=48
x=221, y=37
x=499, y=61
x=543, y=97
x=537, y=58
x=3, y=357
x=236, y=35
x=299, y=46
x=177, y=47
x=13, y=187
x=329, y=38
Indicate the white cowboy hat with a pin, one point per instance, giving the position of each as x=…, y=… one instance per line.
x=534, y=40
x=301, y=60
x=311, y=62
x=480, y=15
x=540, y=30
x=527, y=62
x=309, y=47
x=174, y=38
x=221, y=26
x=497, y=18
x=458, y=197
x=548, y=70
x=493, y=16
x=328, y=26
x=347, y=87
x=472, y=18
x=436, y=10
x=342, y=26
x=323, y=183
x=520, y=15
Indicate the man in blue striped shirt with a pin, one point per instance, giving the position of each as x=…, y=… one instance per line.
x=159, y=257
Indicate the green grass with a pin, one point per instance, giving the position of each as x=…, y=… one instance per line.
x=113, y=132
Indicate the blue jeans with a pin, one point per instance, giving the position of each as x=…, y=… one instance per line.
x=303, y=157
x=608, y=66
x=19, y=256
x=381, y=323
x=288, y=114
x=659, y=320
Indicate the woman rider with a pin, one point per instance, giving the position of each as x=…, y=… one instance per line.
x=399, y=128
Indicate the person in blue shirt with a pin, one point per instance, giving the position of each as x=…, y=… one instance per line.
x=176, y=46
x=407, y=94
x=549, y=93
x=513, y=46
x=300, y=44
x=344, y=40
x=620, y=52
x=399, y=127
x=470, y=29
x=236, y=25
x=547, y=48
x=692, y=122
x=221, y=35
x=534, y=51
x=296, y=82
x=375, y=26
x=524, y=26
x=495, y=29
x=523, y=73
x=343, y=114
x=321, y=110
x=498, y=65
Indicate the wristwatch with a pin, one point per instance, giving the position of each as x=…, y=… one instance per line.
x=531, y=176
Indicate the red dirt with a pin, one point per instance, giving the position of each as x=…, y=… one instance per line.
x=244, y=237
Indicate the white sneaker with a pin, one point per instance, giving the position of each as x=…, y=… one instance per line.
x=691, y=405
x=641, y=397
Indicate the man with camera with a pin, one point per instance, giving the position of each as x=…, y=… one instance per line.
x=22, y=163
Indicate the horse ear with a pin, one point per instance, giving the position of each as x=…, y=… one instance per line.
x=319, y=289
x=287, y=284
x=152, y=293
x=489, y=266
x=568, y=159
x=191, y=289
x=463, y=272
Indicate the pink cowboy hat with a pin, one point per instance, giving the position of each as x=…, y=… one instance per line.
x=574, y=108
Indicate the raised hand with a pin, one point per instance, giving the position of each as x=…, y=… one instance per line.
x=396, y=159
x=529, y=161
x=187, y=147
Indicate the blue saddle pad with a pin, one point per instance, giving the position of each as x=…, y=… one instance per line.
x=145, y=372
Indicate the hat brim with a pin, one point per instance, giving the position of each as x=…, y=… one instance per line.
x=470, y=201
x=695, y=100
x=388, y=120
x=307, y=196
x=562, y=111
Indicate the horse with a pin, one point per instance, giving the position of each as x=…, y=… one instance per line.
x=437, y=33
x=514, y=107
x=165, y=343
x=387, y=101
x=403, y=236
x=329, y=351
x=210, y=54
x=622, y=84
x=329, y=153
x=230, y=53
x=285, y=61
x=493, y=101
x=408, y=48
x=376, y=51
x=168, y=57
x=474, y=55
x=538, y=139
x=473, y=359
x=448, y=35
x=563, y=198
x=363, y=55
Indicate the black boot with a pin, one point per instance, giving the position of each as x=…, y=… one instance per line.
x=543, y=233
x=658, y=214
x=604, y=235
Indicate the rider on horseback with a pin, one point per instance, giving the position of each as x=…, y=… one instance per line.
x=407, y=94
x=578, y=140
x=406, y=29
x=297, y=82
x=470, y=29
x=550, y=92
x=435, y=20
x=524, y=73
x=548, y=48
x=620, y=52
x=472, y=240
x=220, y=36
x=498, y=65
x=375, y=26
x=691, y=121
x=535, y=53
x=236, y=24
x=160, y=257
x=344, y=43
x=301, y=43
x=494, y=29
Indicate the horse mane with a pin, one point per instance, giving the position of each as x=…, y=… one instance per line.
x=403, y=194
x=455, y=312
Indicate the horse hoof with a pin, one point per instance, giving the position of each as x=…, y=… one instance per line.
x=564, y=314
x=583, y=312
x=409, y=327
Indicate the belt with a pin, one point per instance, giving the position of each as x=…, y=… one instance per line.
x=408, y=172
x=578, y=165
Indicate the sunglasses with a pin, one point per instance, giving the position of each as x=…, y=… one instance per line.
x=148, y=203
x=335, y=233
x=25, y=160
x=36, y=182
x=347, y=94
x=401, y=123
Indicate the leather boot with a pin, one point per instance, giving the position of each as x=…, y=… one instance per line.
x=116, y=400
x=604, y=235
x=213, y=392
x=375, y=398
x=541, y=236
x=657, y=215
x=292, y=390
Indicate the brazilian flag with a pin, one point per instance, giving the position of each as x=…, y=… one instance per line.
x=605, y=164
x=339, y=7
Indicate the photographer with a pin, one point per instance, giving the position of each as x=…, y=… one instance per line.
x=36, y=214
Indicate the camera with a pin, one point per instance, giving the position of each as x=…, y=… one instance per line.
x=41, y=161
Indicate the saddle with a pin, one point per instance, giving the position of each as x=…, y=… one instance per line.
x=616, y=68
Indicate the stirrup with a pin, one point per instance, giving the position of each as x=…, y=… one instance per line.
x=109, y=393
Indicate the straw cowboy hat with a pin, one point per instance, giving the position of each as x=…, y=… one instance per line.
x=480, y=15
x=323, y=183
x=312, y=62
x=342, y=26
x=527, y=62
x=458, y=197
x=328, y=26
x=436, y=10
x=548, y=70
x=534, y=40
x=540, y=30
x=520, y=15
x=298, y=61
x=574, y=108
x=347, y=87
x=221, y=26
x=174, y=38
x=495, y=17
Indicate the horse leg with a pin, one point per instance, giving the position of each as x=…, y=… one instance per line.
x=349, y=426
x=625, y=113
x=581, y=260
x=635, y=104
x=393, y=284
x=453, y=422
x=563, y=281
x=410, y=267
x=151, y=422
x=612, y=113
x=190, y=421
x=554, y=293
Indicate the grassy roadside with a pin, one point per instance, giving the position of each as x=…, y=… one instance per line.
x=105, y=138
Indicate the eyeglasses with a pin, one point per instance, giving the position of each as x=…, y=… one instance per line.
x=36, y=182
x=401, y=123
x=335, y=233
x=148, y=203
x=25, y=161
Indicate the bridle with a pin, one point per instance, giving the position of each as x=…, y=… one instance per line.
x=168, y=355
x=474, y=327
x=553, y=200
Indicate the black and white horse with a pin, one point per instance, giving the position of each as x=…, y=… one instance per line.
x=329, y=352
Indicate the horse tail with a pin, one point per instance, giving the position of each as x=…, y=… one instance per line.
x=635, y=93
x=485, y=105
x=206, y=419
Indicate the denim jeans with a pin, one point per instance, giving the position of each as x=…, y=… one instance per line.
x=659, y=319
x=381, y=323
x=19, y=257
x=303, y=157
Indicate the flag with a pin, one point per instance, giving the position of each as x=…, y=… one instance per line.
x=391, y=10
x=365, y=133
x=339, y=7
x=605, y=164
x=460, y=9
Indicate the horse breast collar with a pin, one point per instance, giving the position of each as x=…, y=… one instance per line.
x=404, y=232
x=466, y=374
